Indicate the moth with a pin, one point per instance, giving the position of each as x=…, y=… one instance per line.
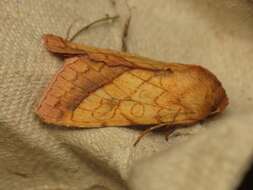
x=105, y=88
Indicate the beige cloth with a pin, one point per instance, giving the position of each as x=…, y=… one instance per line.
x=217, y=34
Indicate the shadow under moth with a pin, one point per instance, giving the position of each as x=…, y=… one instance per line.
x=104, y=88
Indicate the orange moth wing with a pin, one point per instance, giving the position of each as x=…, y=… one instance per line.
x=98, y=87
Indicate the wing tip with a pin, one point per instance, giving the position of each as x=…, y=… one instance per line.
x=53, y=42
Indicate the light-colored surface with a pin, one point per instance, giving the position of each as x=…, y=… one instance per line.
x=215, y=34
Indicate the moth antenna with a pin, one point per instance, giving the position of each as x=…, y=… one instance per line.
x=103, y=19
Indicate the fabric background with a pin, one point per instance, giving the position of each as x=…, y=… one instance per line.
x=217, y=34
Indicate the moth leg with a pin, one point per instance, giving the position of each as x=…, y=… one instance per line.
x=170, y=130
x=147, y=131
x=124, y=46
x=159, y=126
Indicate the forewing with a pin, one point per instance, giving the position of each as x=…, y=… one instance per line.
x=88, y=93
x=98, y=87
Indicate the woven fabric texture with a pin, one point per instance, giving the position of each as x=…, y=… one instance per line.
x=216, y=34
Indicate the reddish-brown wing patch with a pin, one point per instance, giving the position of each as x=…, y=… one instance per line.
x=78, y=79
